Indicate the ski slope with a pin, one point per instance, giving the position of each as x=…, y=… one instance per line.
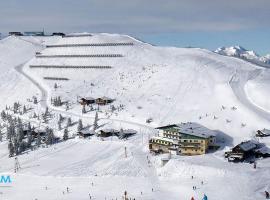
x=170, y=85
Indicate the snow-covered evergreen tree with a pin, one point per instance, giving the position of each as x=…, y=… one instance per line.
x=11, y=149
x=65, y=136
x=59, y=125
x=38, y=140
x=34, y=115
x=24, y=109
x=35, y=100
x=49, y=136
x=69, y=122
x=95, y=125
x=3, y=115
x=61, y=118
x=80, y=125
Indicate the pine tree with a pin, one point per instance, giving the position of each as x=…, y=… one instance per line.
x=16, y=147
x=35, y=100
x=95, y=125
x=38, y=140
x=29, y=139
x=11, y=149
x=59, y=125
x=61, y=118
x=29, y=126
x=15, y=107
x=69, y=122
x=65, y=136
x=3, y=115
x=34, y=115
x=49, y=136
x=24, y=109
x=80, y=125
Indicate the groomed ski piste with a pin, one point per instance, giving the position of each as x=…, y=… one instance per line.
x=168, y=84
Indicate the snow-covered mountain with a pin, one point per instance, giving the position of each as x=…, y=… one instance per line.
x=240, y=52
x=265, y=59
x=169, y=85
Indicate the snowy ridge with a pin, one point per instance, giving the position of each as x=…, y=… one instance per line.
x=240, y=52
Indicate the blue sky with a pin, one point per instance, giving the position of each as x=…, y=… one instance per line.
x=200, y=23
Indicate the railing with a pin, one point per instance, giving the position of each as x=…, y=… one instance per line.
x=56, y=78
x=69, y=67
x=93, y=44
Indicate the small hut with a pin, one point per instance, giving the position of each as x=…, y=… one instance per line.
x=15, y=33
x=126, y=133
x=108, y=133
x=104, y=100
x=87, y=101
x=86, y=133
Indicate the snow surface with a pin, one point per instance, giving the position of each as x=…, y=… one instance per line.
x=170, y=85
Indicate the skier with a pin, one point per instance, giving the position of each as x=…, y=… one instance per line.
x=202, y=182
x=67, y=190
x=255, y=165
x=205, y=197
x=152, y=190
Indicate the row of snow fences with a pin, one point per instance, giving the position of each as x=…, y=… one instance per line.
x=69, y=67
x=91, y=45
x=56, y=78
x=80, y=56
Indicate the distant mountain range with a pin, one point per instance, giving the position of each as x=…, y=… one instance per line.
x=240, y=52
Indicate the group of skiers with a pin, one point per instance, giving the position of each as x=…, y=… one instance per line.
x=204, y=197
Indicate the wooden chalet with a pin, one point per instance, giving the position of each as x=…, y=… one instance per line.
x=39, y=131
x=86, y=133
x=108, y=133
x=126, y=133
x=87, y=101
x=242, y=151
x=263, y=133
x=104, y=100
